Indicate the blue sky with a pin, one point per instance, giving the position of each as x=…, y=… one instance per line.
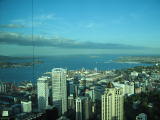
x=76, y=26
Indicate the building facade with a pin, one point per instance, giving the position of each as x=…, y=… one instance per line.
x=3, y=87
x=83, y=108
x=128, y=87
x=43, y=93
x=71, y=102
x=141, y=116
x=26, y=106
x=59, y=89
x=112, y=103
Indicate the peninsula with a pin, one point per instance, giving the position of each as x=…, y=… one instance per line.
x=139, y=59
x=15, y=65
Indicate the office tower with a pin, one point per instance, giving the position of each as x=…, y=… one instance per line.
x=76, y=90
x=83, y=108
x=26, y=106
x=112, y=103
x=43, y=91
x=71, y=102
x=59, y=89
x=70, y=88
x=93, y=93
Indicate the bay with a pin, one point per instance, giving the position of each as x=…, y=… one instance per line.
x=74, y=62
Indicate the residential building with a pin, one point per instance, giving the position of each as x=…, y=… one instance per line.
x=112, y=103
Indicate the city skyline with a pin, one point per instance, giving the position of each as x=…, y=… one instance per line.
x=80, y=59
x=117, y=94
x=79, y=27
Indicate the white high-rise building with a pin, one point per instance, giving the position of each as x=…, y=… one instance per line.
x=59, y=89
x=26, y=106
x=43, y=92
x=112, y=103
x=83, y=108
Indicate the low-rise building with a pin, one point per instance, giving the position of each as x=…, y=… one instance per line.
x=26, y=106
x=141, y=116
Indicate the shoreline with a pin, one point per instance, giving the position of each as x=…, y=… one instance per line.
x=18, y=65
x=130, y=62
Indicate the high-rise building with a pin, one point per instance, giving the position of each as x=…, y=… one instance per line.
x=71, y=102
x=59, y=89
x=83, y=108
x=93, y=93
x=112, y=103
x=43, y=92
x=70, y=88
x=76, y=90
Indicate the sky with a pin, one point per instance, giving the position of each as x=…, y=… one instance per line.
x=65, y=27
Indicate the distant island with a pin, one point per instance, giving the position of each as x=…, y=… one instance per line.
x=6, y=62
x=94, y=56
x=15, y=65
x=16, y=57
x=139, y=59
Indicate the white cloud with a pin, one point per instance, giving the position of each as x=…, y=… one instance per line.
x=26, y=40
x=45, y=17
x=37, y=20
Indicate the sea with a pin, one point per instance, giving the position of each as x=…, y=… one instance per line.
x=72, y=62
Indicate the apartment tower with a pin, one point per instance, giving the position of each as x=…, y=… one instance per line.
x=112, y=103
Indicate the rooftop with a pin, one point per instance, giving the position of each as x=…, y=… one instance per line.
x=43, y=78
x=58, y=69
x=110, y=85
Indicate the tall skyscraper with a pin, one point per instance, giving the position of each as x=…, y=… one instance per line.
x=59, y=89
x=71, y=102
x=83, y=108
x=43, y=92
x=112, y=103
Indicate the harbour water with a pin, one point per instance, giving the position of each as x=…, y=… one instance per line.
x=101, y=62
